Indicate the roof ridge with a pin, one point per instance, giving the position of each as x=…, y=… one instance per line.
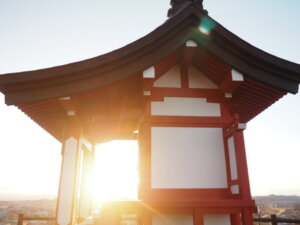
x=178, y=5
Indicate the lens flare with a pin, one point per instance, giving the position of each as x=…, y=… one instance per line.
x=206, y=25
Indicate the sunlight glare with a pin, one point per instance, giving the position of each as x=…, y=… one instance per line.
x=115, y=171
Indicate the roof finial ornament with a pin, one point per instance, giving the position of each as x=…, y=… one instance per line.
x=178, y=5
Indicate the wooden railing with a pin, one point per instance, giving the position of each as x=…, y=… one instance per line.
x=21, y=218
x=274, y=220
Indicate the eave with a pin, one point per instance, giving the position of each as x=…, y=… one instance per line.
x=65, y=80
x=114, y=80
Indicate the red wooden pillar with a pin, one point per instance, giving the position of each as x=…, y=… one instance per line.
x=235, y=219
x=198, y=217
x=247, y=218
x=242, y=170
x=241, y=161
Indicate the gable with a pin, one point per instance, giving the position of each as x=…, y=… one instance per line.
x=170, y=79
x=198, y=80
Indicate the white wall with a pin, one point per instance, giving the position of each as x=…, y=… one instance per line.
x=235, y=189
x=232, y=158
x=174, y=106
x=198, y=80
x=170, y=79
x=185, y=157
x=217, y=219
x=172, y=219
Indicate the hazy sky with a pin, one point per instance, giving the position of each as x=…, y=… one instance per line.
x=37, y=34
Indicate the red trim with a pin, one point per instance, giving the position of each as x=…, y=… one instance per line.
x=185, y=92
x=225, y=113
x=242, y=164
x=147, y=83
x=147, y=209
x=198, y=217
x=177, y=210
x=184, y=77
x=188, y=55
x=224, y=205
x=220, y=203
x=186, y=194
x=247, y=217
x=190, y=121
x=228, y=85
x=148, y=193
x=218, y=200
x=227, y=161
x=234, y=182
x=227, y=210
x=235, y=219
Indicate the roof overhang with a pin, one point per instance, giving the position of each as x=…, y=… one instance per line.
x=115, y=78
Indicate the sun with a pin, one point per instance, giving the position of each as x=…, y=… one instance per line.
x=115, y=171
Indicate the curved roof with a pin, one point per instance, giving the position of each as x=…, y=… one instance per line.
x=114, y=80
x=65, y=80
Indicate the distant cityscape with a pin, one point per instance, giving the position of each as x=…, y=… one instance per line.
x=10, y=210
x=287, y=207
x=283, y=206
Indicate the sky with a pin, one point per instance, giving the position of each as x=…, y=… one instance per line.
x=38, y=34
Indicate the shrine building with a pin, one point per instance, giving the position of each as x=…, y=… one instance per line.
x=185, y=91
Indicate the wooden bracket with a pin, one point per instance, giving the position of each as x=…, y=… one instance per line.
x=69, y=105
x=230, y=83
x=234, y=125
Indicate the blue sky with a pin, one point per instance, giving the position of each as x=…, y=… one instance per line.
x=37, y=34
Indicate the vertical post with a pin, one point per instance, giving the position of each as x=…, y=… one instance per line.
x=70, y=169
x=247, y=217
x=274, y=219
x=242, y=164
x=20, y=219
x=235, y=219
x=85, y=201
x=198, y=217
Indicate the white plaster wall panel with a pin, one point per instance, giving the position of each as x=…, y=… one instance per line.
x=172, y=219
x=232, y=158
x=171, y=79
x=236, y=75
x=242, y=126
x=190, y=158
x=217, y=219
x=198, y=80
x=191, y=43
x=149, y=73
x=68, y=177
x=174, y=106
x=147, y=93
x=235, y=189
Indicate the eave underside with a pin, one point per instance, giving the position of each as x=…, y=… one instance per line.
x=116, y=110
